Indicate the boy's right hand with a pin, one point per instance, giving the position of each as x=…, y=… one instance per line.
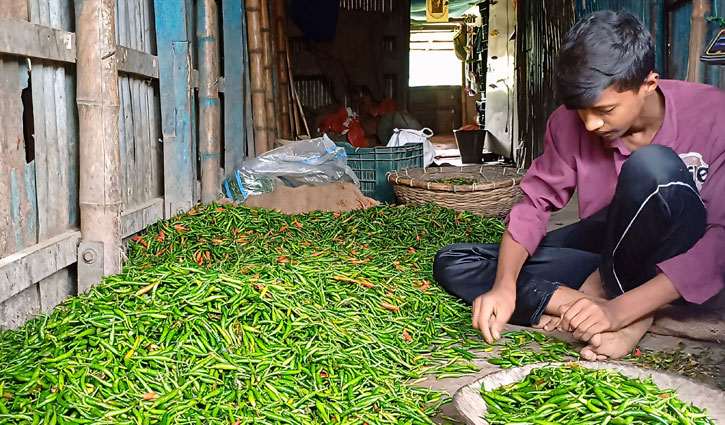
x=492, y=310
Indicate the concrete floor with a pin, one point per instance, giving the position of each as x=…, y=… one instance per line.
x=566, y=216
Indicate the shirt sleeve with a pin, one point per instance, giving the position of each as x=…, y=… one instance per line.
x=699, y=273
x=548, y=186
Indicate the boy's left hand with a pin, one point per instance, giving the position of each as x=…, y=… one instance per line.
x=587, y=317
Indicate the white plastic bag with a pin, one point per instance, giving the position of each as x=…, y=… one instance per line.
x=315, y=162
x=404, y=136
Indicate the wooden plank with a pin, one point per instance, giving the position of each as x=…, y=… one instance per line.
x=14, y=312
x=36, y=41
x=7, y=232
x=139, y=218
x=234, y=74
x=62, y=193
x=14, y=154
x=55, y=289
x=40, y=138
x=174, y=64
x=132, y=61
x=22, y=269
x=125, y=98
x=138, y=143
x=124, y=158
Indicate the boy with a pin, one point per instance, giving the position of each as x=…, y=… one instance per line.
x=648, y=159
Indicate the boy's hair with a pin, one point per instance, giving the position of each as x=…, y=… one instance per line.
x=603, y=49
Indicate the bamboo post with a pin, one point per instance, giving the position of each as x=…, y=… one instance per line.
x=209, y=109
x=283, y=92
x=698, y=31
x=256, y=66
x=268, y=75
x=98, y=108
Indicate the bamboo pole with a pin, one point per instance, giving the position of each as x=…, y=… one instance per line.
x=269, y=96
x=209, y=109
x=299, y=114
x=698, y=31
x=99, y=149
x=283, y=92
x=256, y=66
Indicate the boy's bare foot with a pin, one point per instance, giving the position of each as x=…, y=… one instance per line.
x=613, y=345
x=547, y=323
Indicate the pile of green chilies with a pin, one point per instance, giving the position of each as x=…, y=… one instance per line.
x=572, y=394
x=517, y=349
x=231, y=315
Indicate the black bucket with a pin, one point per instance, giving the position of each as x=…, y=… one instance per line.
x=470, y=145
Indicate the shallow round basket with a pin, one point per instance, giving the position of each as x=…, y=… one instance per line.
x=495, y=191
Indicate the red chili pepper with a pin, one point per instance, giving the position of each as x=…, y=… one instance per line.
x=207, y=254
x=158, y=254
x=407, y=336
x=390, y=306
x=318, y=253
x=425, y=286
x=149, y=396
x=305, y=243
x=192, y=212
x=460, y=216
x=336, y=214
x=323, y=375
x=353, y=252
x=220, y=209
x=198, y=258
x=237, y=422
x=217, y=240
x=146, y=266
x=417, y=238
x=411, y=250
x=283, y=228
x=637, y=352
x=180, y=228
x=136, y=238
x=283, y=259
x=298, y=224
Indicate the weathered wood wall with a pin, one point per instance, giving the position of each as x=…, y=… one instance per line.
x=38, y=174
x=157, y=128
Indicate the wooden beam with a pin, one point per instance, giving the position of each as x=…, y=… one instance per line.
x=139, y=218
x=23, y=269
x=135, y=62
x=23, y=38
x=99, y=149
x=698, y=32
x=207, y=35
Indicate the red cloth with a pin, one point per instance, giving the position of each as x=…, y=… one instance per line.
x=339, y=122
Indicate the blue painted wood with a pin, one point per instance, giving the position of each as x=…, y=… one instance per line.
x=176, y=108
x=234, y=75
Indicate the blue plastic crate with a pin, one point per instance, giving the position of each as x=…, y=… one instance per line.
x=372, y=164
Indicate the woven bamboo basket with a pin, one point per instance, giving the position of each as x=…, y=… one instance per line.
x=488, y=190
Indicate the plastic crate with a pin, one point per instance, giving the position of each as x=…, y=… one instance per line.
x=371, y=164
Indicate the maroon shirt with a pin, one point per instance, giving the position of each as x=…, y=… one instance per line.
x=694, y=127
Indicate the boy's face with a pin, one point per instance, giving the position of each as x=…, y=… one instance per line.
x=615, y=112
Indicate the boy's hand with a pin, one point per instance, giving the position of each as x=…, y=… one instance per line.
x=492, y=310
x=587, y=317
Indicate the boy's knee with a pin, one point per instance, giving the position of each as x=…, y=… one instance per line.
x=654, y=165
